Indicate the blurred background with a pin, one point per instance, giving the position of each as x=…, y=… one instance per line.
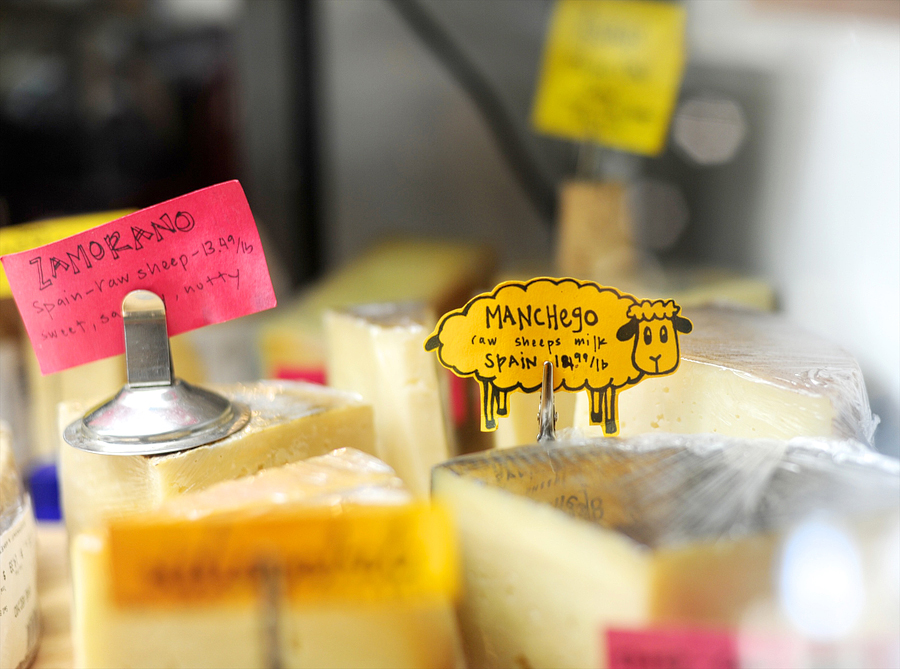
x=351, y=120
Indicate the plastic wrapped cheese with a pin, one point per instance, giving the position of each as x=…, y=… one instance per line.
x=377, y=351
x=289, y=421
x=565, y=545
x=232, y=633
x=749, y=374
x=19, y=613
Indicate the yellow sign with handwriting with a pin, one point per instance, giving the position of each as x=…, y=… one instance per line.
x=359, y=553
x=611, y=73
x=27, y=236
x=597, y=338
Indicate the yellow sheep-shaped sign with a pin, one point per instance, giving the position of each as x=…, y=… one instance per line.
x=596, y=337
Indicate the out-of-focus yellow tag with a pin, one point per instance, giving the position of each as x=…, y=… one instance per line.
x=611, y=72
x=16, y=238
x=359, y=553
x=596, y=337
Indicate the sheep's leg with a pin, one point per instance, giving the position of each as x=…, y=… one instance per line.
x=488, y=402
x=488, y=421
x=596, y=406
x=502, y=403
x=611, y=428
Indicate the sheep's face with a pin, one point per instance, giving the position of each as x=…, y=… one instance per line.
x=656, y=346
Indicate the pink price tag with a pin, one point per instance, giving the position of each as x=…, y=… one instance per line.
x=199, y=252
x=671, y=649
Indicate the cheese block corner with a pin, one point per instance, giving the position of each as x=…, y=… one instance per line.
x=377, y=350
x=749, y=374
x=289, y=421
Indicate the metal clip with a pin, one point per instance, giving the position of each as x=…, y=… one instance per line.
x=155, y=412
x=148, y=357
x=547, y=413
x=270, y=588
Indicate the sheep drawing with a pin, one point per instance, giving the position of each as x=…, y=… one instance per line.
x=598, y=339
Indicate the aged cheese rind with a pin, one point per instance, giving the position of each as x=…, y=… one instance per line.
x=289, y=421
x=752, y=375
x=377, y=351
x=409, y=634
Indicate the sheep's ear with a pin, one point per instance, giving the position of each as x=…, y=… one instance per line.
x=433, y=342
x=682, y=325
x=627, y=331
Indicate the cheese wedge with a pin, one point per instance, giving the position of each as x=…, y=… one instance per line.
x=232, y=633
x=442, y=275
x=748, y=374
x=562, y=543
x=539, y=585
x=378, y=351
x=289, y=421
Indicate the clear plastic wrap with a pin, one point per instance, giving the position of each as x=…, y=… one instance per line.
x=708, y=524
x=19, y=613
x=750, y=374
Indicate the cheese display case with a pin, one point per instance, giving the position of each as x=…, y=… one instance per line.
x=323, y=417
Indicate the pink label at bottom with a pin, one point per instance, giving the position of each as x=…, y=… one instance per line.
x=671, y=649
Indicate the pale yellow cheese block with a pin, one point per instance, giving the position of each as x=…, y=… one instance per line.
x=748, y=374
x=419, y=634
x=442, y=275
x=538, y=585
x=289, y=422
x=378, y=351
x=562, y=543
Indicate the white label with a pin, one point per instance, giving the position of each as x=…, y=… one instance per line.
x=19, y=614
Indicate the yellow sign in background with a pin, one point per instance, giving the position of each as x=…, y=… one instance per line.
x=358, y=553
x=611, y=73
x=17, y=238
